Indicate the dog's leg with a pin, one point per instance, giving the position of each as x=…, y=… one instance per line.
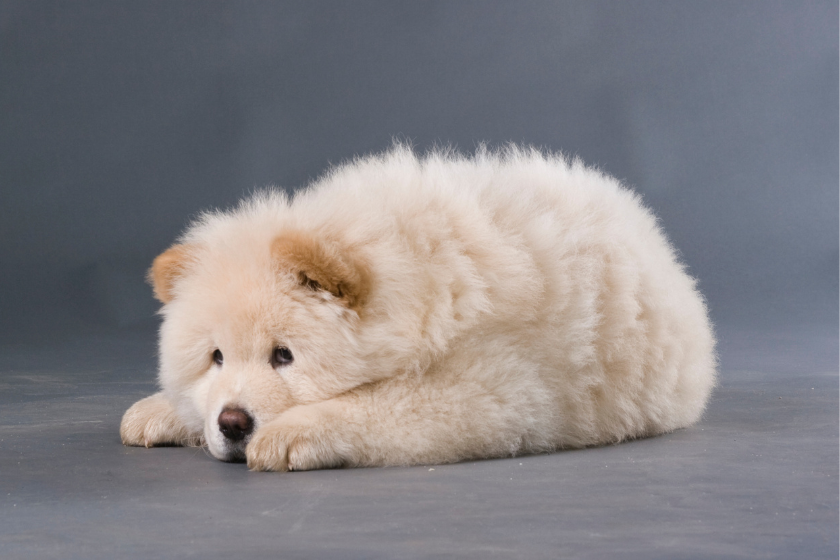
x=153, y=421
x=399, y=423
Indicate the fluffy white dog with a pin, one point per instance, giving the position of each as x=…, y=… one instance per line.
x=407, y=309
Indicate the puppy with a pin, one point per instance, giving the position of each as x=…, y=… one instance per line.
x=417, y=310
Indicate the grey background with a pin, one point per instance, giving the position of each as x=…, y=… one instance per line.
x=120, y=121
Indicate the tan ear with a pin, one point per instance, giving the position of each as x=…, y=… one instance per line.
x=323, y=265
x=167, y=268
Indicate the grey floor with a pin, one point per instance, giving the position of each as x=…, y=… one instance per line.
x=757, y=478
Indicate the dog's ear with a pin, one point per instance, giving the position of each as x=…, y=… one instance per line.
x=322, y=265
x=167, y=268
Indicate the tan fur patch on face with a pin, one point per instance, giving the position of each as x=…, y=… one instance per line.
x=323, y=265
x=167, y=268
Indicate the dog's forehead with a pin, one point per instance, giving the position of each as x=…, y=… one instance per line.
x=236, y=292
x=231, y=284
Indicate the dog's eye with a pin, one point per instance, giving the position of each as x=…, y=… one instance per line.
x=218, y=359
x=281, y=356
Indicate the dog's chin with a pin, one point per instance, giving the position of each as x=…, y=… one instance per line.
x=229, y=452
x=236, y=455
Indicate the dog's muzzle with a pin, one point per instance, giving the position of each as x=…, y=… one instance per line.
x=235, y=424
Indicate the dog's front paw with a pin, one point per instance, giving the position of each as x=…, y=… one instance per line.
x=268, y=450
x=301, y=439
x=153, y=421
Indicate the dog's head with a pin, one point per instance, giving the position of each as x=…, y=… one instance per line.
x=255, y=325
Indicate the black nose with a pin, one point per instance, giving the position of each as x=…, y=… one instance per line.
x=235, y=423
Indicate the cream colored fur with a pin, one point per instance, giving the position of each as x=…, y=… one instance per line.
x=439, y=309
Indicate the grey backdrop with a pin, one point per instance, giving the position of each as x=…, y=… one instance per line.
x=121, y=120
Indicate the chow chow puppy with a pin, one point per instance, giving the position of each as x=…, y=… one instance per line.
x=417, y=310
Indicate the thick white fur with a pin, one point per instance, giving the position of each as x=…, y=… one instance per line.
x=518, y=303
